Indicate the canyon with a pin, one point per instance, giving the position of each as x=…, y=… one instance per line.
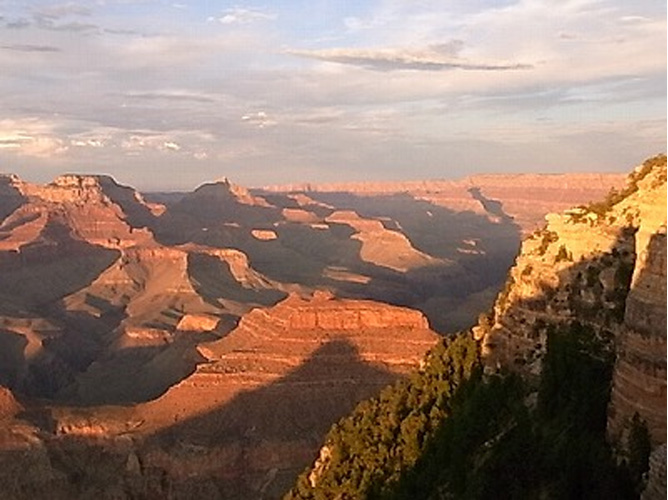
x=201, y=344
x=568, y=368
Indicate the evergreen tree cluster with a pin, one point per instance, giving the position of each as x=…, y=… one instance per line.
x=450, y=432
x=385, y=436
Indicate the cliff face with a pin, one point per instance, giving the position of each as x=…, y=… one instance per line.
x=639, y=383
x=525, y=197
x=603, y=266
x=254, y=412
x=244, y=424
x=96, y=208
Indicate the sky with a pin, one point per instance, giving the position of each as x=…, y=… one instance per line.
x=167, y=94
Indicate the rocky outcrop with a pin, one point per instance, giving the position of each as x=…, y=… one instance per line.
x=639, y=384
x=250, y=417
x=381, y=246
x=8, y=404
x=525, y=197
x=87, y=206
x=264, y=234
x=577, y=268
x=602, y=266
x=197, y=323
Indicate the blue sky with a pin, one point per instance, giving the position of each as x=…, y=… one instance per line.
x=169, y=94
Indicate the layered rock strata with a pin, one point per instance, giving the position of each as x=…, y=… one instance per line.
x=639, y=384
x=604, y=267
x=578, y=268
x=525, y=197
x=258, y=407
x=245, y=423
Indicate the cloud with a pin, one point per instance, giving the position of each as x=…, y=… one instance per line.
x=30, y=137
x=59, y=11
x=407, y=83
x=92, y=143
x=238, y=15
x=30, y=48
x=259, y=119
x=176, y=96
x=18, y=24
x=74, y=26
x=433, y=58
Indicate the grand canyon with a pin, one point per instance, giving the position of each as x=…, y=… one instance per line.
x=369, y=250
x=201, y=344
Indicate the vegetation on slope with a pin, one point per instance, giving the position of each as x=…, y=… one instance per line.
x=451, y=432
x=603, y=207
x=384, y=437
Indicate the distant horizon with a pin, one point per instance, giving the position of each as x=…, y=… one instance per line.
x=168, y=94
x=233, y=181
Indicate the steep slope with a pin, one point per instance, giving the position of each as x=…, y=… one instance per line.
x=250, y=416
x=524, y=197
x=580, y=268
x=576, y=293
x=382, y=246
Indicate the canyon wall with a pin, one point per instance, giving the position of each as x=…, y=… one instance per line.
x=602, y=267
x=639, y=384
x=525, y=197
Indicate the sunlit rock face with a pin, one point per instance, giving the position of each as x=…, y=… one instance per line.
x=639, y=384
x=524, y=197
x=602, y=266
x=98, y=210
x=578, y=268
x=269, y=390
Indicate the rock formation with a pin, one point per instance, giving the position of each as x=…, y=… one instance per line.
x=525, y=197
x=255, y=410
x=382, y=246
x=307, y=361
x=176, y=347
x=603, y=266
x=577, y=268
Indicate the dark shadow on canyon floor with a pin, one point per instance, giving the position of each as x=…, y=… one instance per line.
x=269, y=434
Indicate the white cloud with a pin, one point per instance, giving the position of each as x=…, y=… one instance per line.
x=432, y=58
x=260, y=119
x=30, y=137
x=238, y=15
x=92, y=143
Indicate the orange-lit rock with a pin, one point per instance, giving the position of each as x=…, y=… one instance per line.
x=264, y=234
x=197, y=323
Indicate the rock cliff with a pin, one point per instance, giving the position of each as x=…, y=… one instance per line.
x=244, y=424
x=257, y=408
x=98, y=210
x=639, y=384
x=579, y=267
x=602, y=266
x=525, y=197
